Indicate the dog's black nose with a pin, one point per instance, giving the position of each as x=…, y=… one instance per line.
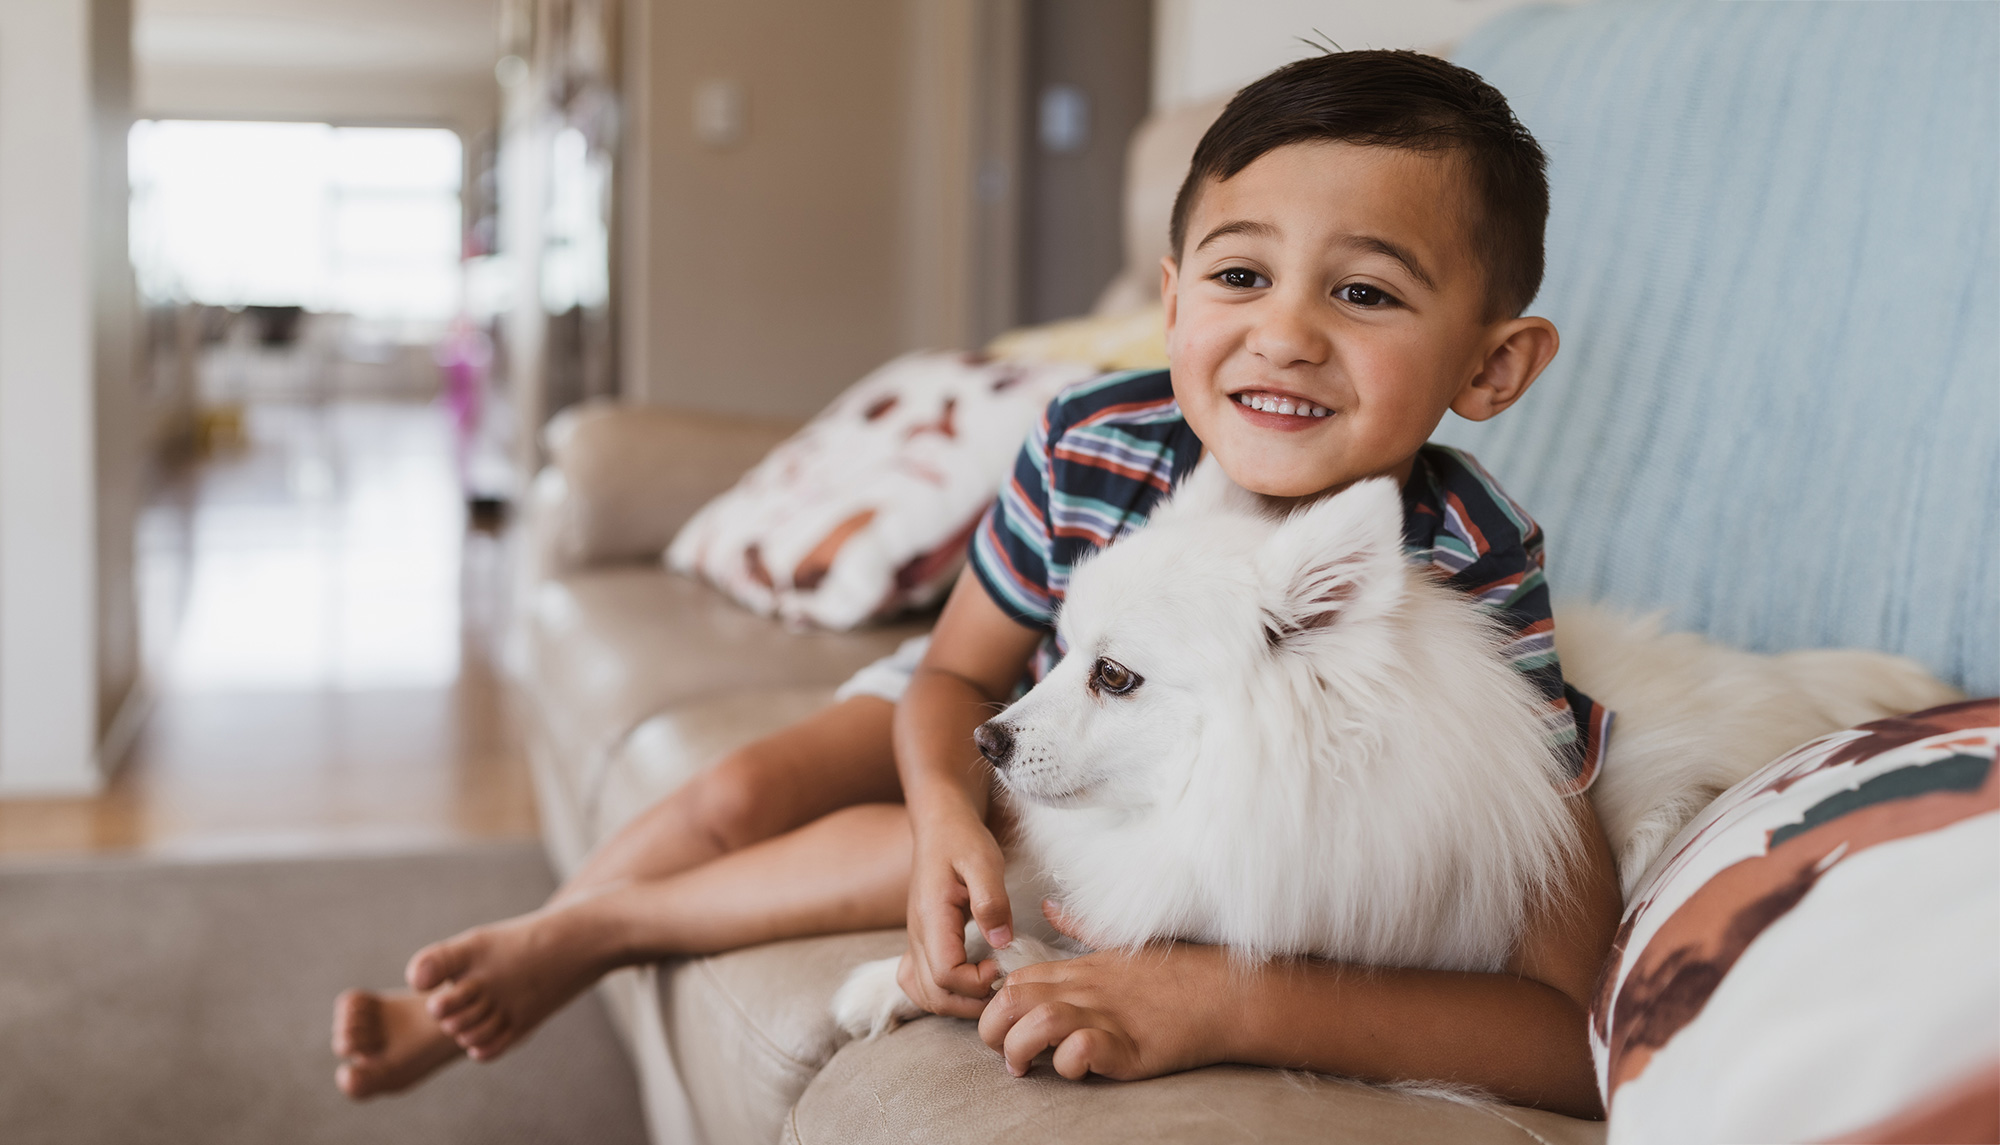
x=995, y=742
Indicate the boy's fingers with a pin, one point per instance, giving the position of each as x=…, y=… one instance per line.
x=1013, y=1002
x=927, y=995
x=1090, y=1050
x=944, y=957
x=1042, y=1027
x=943, y=939
x=1002, y=1012
x=987, y=886
x=955, y=1006
x=961, y=980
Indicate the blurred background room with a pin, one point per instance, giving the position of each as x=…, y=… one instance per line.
x=289, y=290
x=333, y=265
x=302, y=303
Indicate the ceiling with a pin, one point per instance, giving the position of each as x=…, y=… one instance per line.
x=454, y=36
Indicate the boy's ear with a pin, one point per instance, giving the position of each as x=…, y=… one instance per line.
x=1170, y=272
x=1522, y=349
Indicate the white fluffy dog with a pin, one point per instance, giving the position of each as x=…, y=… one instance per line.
x=1276, y=735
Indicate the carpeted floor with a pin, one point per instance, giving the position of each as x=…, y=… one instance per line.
x=188, y=1002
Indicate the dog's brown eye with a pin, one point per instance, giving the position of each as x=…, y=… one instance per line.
x=1113, y=677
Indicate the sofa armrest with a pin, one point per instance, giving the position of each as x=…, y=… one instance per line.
x=623, y=479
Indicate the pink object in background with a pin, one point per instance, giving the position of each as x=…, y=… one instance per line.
x=463, y=356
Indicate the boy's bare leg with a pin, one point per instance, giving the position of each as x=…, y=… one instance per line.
x=839, y=756
x=836, y=758
x=845, y=871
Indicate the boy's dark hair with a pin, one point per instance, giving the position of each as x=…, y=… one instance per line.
x=1397, y=99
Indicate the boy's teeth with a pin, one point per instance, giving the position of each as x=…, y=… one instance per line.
x=1270, y=404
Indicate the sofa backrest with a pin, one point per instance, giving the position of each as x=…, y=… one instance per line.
x=1156, y=162
x=1775, y=261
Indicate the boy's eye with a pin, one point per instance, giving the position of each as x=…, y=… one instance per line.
x=1242, y=278
x=1108, y=675
x=1362, y=294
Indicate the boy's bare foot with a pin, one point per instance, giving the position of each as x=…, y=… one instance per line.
x=492, y=985
x=386, y=1043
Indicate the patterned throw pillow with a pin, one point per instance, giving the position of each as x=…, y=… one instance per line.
x=866, y=512
x=1819, y=957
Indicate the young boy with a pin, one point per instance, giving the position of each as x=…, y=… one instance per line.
x=1352, y=249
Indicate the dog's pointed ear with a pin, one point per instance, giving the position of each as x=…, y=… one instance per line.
x=1336, y=561
x=1207, y=490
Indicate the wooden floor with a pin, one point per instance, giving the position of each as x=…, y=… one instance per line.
x=324, y=635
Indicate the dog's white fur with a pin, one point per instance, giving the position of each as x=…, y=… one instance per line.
x=1329, y=755
x=1694, y=717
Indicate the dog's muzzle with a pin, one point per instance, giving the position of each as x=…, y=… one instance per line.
x=995, y=742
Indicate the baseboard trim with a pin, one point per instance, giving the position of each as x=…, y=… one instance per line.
x=112, y=749
x=116, y=746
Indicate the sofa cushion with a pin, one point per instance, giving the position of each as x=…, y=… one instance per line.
x=1156, y=161
x=751, y=1028
x=611, y=647
x=1818, y=956
x=625, y=478
x=935, y=1081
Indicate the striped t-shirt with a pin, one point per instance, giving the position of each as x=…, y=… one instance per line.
x=1109, y=449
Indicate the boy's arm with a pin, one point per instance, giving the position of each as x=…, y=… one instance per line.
x=1520, y=1034
x=976, y=655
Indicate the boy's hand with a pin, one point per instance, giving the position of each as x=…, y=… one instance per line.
x=976, y=655
x=957, y=868
x=1117, y=1014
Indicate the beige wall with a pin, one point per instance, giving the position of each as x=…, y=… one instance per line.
x=770, y=271
x=362, y=62
x=962, y=104
x=68, y=466
x=467, y=101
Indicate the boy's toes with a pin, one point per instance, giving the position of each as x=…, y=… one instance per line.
x=358, y=1080
x=438, y=963
x=453, y=1000
x=357, y=1024
x=492, y=1047
x=469, y=1018
x=482, y=1041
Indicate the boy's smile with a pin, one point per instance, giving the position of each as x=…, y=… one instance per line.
x=1329, y=308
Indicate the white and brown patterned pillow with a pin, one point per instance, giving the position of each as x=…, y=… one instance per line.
x=1819, y=957
x=866, y=511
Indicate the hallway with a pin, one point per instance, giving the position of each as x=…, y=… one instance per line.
x=323, y=637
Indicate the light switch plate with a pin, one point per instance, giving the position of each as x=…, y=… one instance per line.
x=720, y=113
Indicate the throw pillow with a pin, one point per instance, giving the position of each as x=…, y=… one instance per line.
x=1818, y=958
x=866, y=511
x=1132, y=341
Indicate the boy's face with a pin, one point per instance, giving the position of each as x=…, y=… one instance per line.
x=1336, y=277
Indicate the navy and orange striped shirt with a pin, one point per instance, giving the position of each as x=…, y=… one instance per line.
x=1107, y=450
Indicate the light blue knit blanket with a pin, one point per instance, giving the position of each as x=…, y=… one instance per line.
x=1774, y=260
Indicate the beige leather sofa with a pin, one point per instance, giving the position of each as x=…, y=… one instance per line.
x=634, y=679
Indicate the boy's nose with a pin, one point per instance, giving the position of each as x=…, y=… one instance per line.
x=1286, y=334
x=995, y=742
